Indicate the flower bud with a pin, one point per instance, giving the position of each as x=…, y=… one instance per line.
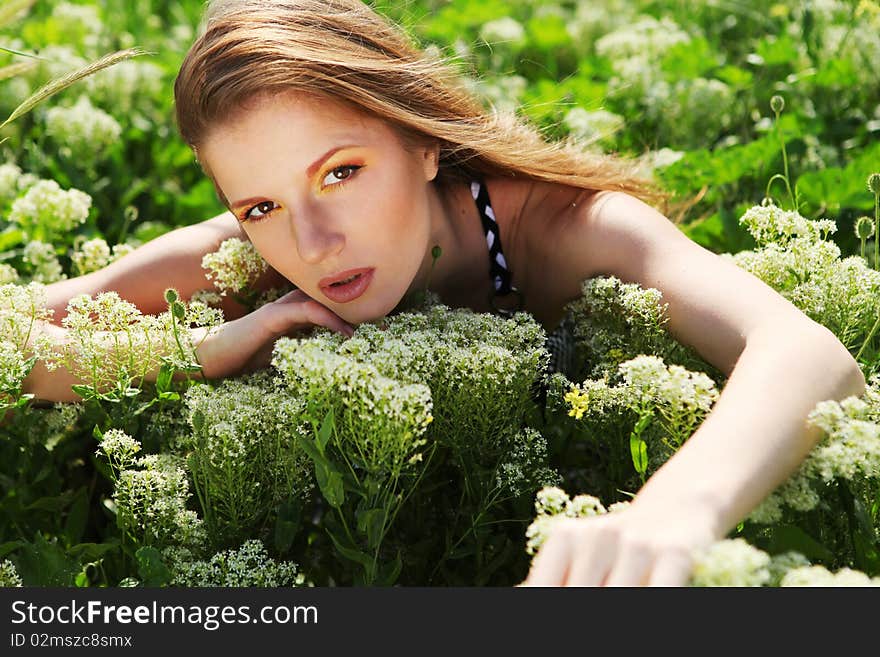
x=864, y=228
x=171, y=295
x=777, y=104
x=874, y=184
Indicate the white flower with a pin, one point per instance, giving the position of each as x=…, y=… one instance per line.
x=597, y=125
x=503, y=30
x=83, y=131
x=93, y=255
x=731, y=562
x=47, y=207
x=234, y=266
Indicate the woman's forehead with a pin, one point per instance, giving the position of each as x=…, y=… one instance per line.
x=296, y=112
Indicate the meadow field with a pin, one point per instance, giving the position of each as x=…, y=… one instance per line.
x=417, y=453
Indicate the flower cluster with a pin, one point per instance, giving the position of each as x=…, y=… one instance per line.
x=598, y=126
x=8, y=274
x=733, y=562
x=687, y=111
x=849, y=450
x=770, y=224
x=83, y=131
x=553, y=504
x=248, y=566
x=151, y=498
x=74, y=23
x=8, y=575
x=615, y=321
x=379, y=419
x=841, y=294
x=119, y=449
x=480, y=369
x=235, y=266
x=592, y=20
x=125, y=85
x=43, y=262
x=670, y=386
x=645, y=39
x=47, y=210
x=13, y=182
x=244, y=449
x=505, y=32
x=95, y=254
x=111, y=344
x=524, y=466
x=21, y=306
x=675, y=399
x=821, y=576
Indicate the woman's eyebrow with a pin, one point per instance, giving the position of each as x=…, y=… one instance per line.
x=312, y=169
x=314, y=166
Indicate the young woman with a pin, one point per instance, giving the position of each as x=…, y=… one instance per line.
x=344, y=154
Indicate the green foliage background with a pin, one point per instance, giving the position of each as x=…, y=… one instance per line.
x=688, y=83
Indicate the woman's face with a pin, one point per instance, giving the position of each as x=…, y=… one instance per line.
x=321, y=190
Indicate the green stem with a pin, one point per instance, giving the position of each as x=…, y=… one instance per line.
x=870, y=335
x=785, y=164
x=877, y=231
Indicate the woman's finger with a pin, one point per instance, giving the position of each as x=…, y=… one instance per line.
x=632, y=567
x=550, y=565
x=296, y=310
x=593, y=559
x=671, y=569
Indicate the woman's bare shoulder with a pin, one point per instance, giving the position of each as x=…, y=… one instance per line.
x=548, y=236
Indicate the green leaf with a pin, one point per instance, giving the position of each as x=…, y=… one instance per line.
x=371, y=523
x=42, y=563
x=390, y=571
x=151, y=568
x=77, y=517
x=10, y=237
x=325, y=431
x=311, y=449
x=789, y=537
x=10, y=546
x=351, y=553
x=330, y=483
x=198, y=421
x=287, y=524
x=86, y=392
x=163, y=379
x=639, y=451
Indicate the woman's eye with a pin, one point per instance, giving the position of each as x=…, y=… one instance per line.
x=260, y=210
x=339, y=174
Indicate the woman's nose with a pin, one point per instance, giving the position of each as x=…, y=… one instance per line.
x=315, y=239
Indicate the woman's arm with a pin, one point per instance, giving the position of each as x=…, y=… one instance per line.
x=234, y=347
x=779, y=363
x=170, y=260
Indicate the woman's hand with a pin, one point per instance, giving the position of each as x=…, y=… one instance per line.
x=638, y=546
x=245, y=344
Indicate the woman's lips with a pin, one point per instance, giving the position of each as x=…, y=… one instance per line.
x=347, y=291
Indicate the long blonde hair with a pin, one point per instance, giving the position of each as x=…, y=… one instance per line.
x=345, y=51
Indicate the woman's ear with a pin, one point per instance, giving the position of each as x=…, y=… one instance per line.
x=431, y=160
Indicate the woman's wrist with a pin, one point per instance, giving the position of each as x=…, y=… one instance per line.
x=692, y=504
